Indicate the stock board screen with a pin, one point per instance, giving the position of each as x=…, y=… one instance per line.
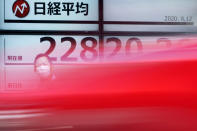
x=90, y=31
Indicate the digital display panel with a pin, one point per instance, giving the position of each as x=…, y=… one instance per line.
x=127, y=15
x=103, y=64
x=62, y=15
x=23, y=49
x=112, y=21
x=149, y=48
x=151, y=15
x=18, y=53
x=62, y=49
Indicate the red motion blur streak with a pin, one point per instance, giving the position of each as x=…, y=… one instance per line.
x=169, y=86
x=124, y=84
x=163, y=84
x=157, y=75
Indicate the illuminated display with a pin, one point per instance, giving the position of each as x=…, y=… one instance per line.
x=127, y=15
x=51, y=10
x=49, y=15
x=84, y=49
x=151, y=15
x=61, y=49
x=98, y=64
x=90, y=31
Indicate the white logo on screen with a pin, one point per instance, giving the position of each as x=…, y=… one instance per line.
x=19, y=9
